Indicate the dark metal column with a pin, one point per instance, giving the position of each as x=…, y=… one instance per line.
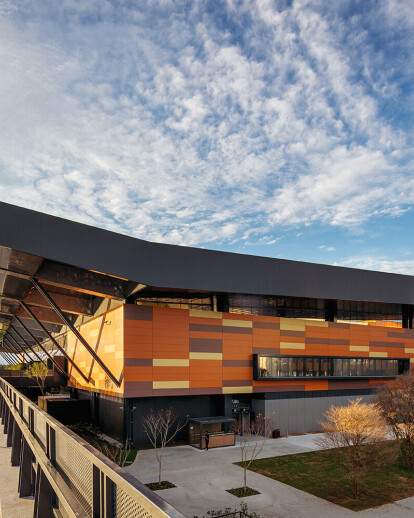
x=331, y=310
x=223, y=304
x=407, y=316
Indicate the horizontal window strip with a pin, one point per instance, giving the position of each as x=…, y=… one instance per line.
x=377, y=365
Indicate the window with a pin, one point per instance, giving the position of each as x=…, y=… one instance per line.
x=274, y=367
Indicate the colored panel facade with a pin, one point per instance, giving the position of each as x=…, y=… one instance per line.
x=157, y=351
x=188, y=352
x=105, y=335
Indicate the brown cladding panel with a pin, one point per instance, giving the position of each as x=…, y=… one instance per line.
x=134, y=312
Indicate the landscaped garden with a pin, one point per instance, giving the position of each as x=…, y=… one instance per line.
x=318, y=473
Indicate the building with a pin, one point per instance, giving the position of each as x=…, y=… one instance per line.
x=146, y=325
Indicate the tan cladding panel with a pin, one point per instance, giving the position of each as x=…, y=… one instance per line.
x=104, y=334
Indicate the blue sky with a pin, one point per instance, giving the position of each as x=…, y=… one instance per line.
x=278, y=128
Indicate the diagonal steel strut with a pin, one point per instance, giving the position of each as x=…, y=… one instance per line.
x=41, y=346
x=69, y=324
x=26, y=343
x=13, y=344
x=65, y=354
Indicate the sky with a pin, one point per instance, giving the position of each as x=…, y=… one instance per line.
x=275, y=128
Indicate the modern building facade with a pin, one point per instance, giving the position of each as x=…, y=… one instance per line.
x=146, y=325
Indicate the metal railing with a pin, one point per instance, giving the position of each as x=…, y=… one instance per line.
x=66, y=475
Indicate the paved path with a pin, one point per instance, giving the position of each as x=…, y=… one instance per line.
x=202, y=477
x=11, y=506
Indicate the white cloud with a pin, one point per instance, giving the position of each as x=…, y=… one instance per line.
x=381, y=263
x=170, y=124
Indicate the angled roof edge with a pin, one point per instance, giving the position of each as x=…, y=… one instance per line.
x=172, y=266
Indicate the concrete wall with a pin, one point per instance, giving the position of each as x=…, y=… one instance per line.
x=300, y=415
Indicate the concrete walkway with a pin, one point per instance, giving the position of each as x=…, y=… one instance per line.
x=11, y=506
x=202, y=477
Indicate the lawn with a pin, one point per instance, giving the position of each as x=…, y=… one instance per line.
x=317, y=473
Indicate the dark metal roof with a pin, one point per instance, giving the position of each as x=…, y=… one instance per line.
x=153, y=264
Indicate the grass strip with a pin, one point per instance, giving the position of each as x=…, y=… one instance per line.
x=157, y=486
x=317, y=473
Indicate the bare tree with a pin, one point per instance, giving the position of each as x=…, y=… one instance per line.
x=114, y=452
x=161, y=427
x=358, y=435
x=252, y=438
x=38, y=371
x=396, y=400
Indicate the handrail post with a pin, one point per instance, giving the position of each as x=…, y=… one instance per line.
x=26, y=469
x=16, y=444
x=6, y=417
x=10, y=423
x=43, y=507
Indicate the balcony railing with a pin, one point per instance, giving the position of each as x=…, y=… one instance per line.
x=66, y=475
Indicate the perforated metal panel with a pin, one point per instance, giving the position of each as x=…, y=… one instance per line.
x=25, y=412
x=61, y=512
x=40, y=428
x=75, y=468
x=126, y=507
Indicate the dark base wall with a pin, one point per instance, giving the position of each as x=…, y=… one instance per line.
x=303, y=414
x=292, y=412
x=107, y=412
x=183, y=406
